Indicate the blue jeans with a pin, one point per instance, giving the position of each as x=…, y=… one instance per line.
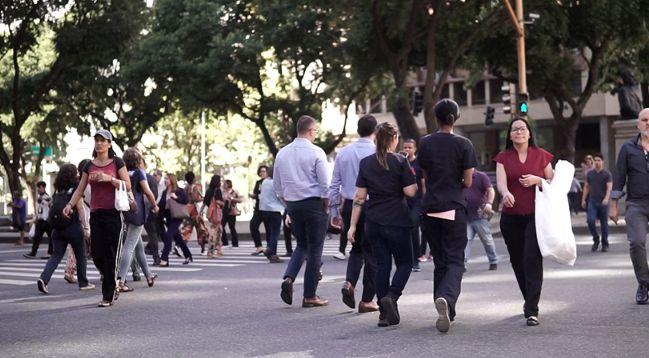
x=72, y=235
x=133, y=247
x=598, y=211
x=273, y=224
x=481, y=227
x=309, y=225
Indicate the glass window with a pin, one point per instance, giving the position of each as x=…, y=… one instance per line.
x=495, y=91
x=478, y=95
x=460, y=93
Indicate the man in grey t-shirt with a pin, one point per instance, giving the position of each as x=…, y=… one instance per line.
x=595, y=199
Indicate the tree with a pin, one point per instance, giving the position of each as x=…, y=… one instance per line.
x=571, y=36
x=71, y=34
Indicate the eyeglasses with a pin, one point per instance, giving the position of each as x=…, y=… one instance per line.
x=519, y=130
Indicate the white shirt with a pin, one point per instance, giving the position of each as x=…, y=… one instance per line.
x=43, y=209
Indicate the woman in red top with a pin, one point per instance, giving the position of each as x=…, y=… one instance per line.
x=520, y=168
x=104, y=173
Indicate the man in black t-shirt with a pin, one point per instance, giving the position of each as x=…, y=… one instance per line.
x=595, y=199
x=448, y=161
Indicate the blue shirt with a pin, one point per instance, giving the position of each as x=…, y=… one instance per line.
x=300, y=171
x=346, y=167
x=268, y=200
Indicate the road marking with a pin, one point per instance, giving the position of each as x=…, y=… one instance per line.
x=15, y=282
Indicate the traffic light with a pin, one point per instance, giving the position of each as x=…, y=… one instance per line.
x=507, y=97
x=522, y=103
x=489, y=116
x=417, y=102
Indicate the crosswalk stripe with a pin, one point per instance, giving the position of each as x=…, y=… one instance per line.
x=15, y=282
x=35, y=274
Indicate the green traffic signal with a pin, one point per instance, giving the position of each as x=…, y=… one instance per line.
x=523, y=108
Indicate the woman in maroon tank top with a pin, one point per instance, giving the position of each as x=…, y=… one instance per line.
x=519, y=169
x=104, y=173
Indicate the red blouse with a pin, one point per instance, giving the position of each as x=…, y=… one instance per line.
x=537, y=160
x=102, y=195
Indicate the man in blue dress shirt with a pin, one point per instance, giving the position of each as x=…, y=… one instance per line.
x=342, y=191
x=301, y=181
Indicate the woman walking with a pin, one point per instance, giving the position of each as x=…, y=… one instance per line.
x=71, y=262
x=388, y=179
x=519, y=169
x=193, y=191
x=66, y=231
x=104, y=173
x=271, y=212
x=230, y=212
x=135, y=221
x=173, y=195
x=213, y=201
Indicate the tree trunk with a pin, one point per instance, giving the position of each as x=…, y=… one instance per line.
x=405, y=120
x=568, y=132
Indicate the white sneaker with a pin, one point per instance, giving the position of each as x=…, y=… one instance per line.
x=443, y=321
x=340, y=256
x=88, y=287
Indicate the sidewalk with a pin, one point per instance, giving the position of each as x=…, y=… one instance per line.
x=579, y=227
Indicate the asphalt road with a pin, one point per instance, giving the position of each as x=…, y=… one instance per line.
x=230, y=307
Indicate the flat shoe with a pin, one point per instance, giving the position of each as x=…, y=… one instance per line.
x=287, y=291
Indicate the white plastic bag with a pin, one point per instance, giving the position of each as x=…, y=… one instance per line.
x=121, y=197
x=553, y=225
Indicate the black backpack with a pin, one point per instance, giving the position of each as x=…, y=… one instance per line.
x=56, y=218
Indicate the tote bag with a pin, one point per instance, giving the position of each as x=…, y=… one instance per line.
x=121, y=197
x=177, y=210
x=553, y=225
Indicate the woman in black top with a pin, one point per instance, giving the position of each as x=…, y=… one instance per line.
x=387, y=178
x=175, y=193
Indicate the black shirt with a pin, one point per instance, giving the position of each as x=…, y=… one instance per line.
x=211, y=193
x=386, y=205
x=419, y=175
x=597, y=184
x=444, y=157
x=632, y=169
x=256, y=191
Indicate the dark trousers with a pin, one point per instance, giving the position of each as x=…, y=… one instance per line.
x=105, y=232
x=415, y=240
x=595, y=210
x=447, y=240
x=72, y=235
x=519, y=233
x=574, y=202
x=154, y=230
x=361, y=254
x=288, y=235
x=257, y=219
x=173, y=234
x=231, y=222
x=388, y=243
x=309, y=224
x=273, y=225
x=42, y=227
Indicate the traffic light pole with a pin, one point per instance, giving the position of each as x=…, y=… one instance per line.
x=518, y=21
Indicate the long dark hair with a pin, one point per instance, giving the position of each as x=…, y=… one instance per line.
x=215, y=182
x=508, y=143
x=385, y=133
x=66, y=178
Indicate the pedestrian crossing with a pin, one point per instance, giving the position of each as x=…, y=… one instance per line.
x=22, y=271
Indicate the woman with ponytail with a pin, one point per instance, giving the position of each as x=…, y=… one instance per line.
x=387, y=179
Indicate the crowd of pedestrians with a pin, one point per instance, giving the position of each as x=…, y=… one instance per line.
x=388, y=205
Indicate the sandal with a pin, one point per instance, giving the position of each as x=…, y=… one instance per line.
x=69, y=279
x=124, y=288
x=151, y=280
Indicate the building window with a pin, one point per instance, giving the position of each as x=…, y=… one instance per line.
x=478, y=95
x=495, y=90
x=460, y=93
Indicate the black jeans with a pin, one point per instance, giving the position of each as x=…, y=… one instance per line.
x=42, y=227
x=361, y=254
x=257, y=220
x=154, y=230
x=231, y=222
x=288, y=235
x=519, y=233
x=415, y=217
x=173, y=234
x=105, y=231
x=447, y=240
x=390, y=242
x=72, y=235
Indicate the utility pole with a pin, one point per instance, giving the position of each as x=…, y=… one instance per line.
x=517, y=19
x=203, y=129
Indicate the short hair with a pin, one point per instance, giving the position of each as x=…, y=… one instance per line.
x=366, y=125
x=263, y=166
x=189, y=177
x=304, y=123
x=132, y=158
x=598, y=155
x=410, y=140
x=228, y=182
x=41, y=184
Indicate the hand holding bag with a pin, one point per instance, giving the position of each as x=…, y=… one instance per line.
x=553, y=224
x=121, y=198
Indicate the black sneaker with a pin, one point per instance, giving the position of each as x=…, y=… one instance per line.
x=641, y=295
x=29, y=255
x=42, y=286
x=595, y=244
x=604, y=247
x=493, y=267
x=391, y=311
x=137, y=278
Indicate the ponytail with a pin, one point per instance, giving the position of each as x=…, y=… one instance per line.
x=384, y=134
